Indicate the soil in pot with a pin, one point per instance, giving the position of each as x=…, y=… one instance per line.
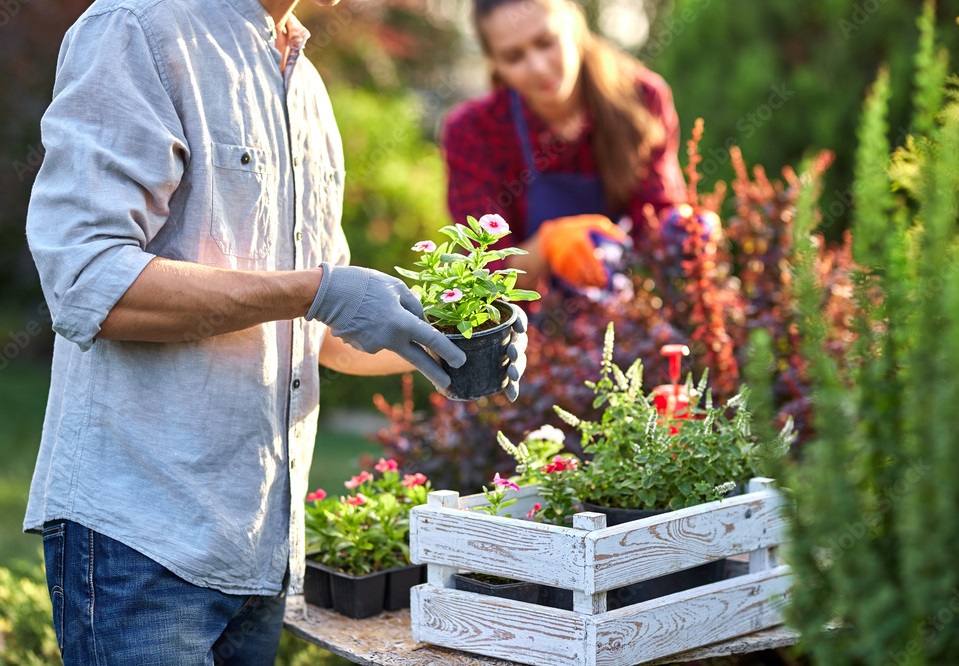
x=494, y=586
x=399, y=582
x=484, y=372
x=704, y=574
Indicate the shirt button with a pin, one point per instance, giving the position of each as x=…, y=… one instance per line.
x=293, y=464
x=245, y=159
x=296, y=383
x=299, y=235
x=296, y=161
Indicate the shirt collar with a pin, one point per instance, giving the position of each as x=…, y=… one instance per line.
x=256, y=14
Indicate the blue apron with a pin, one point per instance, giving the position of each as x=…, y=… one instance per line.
x=553, y=195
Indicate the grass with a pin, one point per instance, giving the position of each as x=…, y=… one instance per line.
x=23, y=396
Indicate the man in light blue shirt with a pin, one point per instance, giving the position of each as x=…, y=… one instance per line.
x=186, y=227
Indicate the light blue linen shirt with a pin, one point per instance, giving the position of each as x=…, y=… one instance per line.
x=172, y=133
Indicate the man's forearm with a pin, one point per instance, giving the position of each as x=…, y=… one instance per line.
x=175, y=301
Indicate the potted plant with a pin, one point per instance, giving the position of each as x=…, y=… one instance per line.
x=644, y=461
x=470, y=303
x=642, y=464
x=358, y=561
x=496, y=586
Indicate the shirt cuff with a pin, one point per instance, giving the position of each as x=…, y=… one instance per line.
x=88, y=302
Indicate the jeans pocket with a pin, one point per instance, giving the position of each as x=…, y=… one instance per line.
x=244, y=218
x=53, y=542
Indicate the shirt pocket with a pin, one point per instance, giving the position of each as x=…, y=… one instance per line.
x=244, y=219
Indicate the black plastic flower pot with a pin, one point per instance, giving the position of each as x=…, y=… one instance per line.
x=316, y=585
x=484, y=372
x=517, y=590
x=399, y=582
x=711, y=572
x=555, y=597
x=358, y=597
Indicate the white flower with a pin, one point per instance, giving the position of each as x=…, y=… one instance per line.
x=548, y=433
x=494, y=224
x=424, y=246
x=451, y=295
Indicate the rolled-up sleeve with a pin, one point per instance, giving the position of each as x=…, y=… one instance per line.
x=115, y=154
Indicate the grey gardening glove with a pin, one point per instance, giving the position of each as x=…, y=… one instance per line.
x=516, y=352
x=371, y=311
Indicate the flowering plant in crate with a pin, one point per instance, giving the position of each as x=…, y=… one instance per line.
x=367, y=530
x=641, y=461
x=457, y=290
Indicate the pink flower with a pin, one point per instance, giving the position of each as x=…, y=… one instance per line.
x=532, y=512
x=359, y=500
x=410, y=480
x=494, y=224
x=560, y=464
x=505, y=483
x=451, y=295
x=359, y=480
x=424, y=246
x=316, y=496
x=386, y=466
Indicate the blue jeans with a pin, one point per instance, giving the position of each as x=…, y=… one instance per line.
x=113, y=605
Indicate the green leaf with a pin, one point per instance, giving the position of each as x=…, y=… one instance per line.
x=413, y=275
x=466, y=328
x=523, y=295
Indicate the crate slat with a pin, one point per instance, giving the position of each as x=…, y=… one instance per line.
x=500, y=628
x=686, y=620
x=653, y=547
x=519, y=549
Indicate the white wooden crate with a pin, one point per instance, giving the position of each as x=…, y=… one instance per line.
x=591, y=559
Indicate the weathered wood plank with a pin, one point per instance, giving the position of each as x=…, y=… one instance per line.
x=506, y=547
x=386, y=640
x=500, y=628
x=644, y=549
x=686, y=620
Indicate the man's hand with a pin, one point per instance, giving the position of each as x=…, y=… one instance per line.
x=516, y=352
x=569, y=245
x=372, y=311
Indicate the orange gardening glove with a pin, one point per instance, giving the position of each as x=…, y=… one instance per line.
x=569, y=246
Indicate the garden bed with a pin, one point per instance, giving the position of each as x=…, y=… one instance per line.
x=591, y=559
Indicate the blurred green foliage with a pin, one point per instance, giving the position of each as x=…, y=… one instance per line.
x=780, y=77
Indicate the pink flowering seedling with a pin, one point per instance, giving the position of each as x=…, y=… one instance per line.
x=497, y=496
x=458, y=292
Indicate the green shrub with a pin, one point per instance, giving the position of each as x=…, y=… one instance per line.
x=874, y=535
x=26, y=630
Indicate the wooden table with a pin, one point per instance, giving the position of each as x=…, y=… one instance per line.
x=385, y=640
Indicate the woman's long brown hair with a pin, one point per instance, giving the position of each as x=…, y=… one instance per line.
x=625, y=133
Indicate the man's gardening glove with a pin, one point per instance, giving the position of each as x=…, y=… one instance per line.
x=516, y=352
x=371, y=311
x=570, y=245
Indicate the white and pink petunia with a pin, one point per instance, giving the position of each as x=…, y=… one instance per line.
x=494, y=224
x=451, y=295
x=424, y=246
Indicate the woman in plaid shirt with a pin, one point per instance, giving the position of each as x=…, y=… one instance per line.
x=575, y=133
